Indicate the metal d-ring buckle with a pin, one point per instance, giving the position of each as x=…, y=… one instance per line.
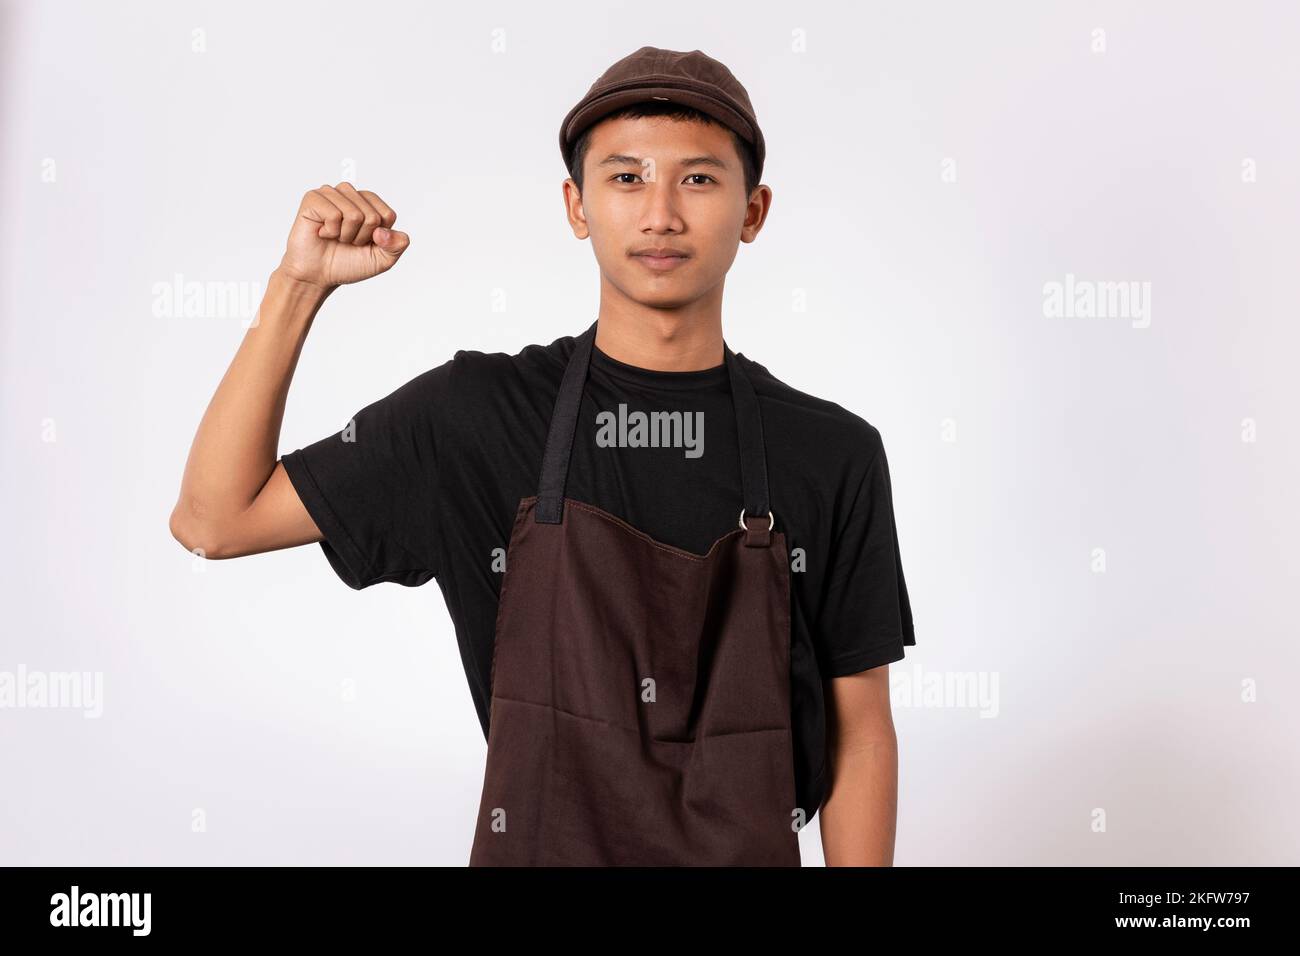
x=771, y=520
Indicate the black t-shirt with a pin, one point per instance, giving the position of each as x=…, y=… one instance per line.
x=425, y=483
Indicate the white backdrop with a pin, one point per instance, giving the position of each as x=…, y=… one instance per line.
x=1097, y=513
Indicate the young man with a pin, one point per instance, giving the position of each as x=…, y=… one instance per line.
x=675, y=580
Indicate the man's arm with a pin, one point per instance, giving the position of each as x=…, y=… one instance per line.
x=235, y=497
x=859, y=814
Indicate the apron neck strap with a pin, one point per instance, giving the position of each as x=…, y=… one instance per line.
x=564, y=421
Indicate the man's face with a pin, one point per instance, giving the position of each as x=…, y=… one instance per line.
x=658, y=184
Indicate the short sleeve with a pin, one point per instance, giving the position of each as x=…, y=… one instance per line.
x=372, y=487
x=866, y=616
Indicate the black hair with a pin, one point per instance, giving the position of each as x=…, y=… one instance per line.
x=674, y=111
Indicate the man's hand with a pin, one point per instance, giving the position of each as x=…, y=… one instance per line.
x=341, y=235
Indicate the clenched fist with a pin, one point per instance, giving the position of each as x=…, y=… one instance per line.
x=342, y=235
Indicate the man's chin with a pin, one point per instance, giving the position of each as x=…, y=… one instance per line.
x=667, y=291
x=664, y=298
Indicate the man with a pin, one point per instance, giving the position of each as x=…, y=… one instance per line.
x=675, y=580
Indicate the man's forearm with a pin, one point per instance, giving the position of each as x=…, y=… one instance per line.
x=859, y=816
x=235, y=448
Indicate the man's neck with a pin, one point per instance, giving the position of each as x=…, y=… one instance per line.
x=676, y=341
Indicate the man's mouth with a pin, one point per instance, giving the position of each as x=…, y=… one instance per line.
x=660, y=263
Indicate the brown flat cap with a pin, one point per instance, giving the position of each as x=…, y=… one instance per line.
x=692, y=79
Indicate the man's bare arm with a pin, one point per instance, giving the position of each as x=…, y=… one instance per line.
x=235, y=496
x=859, y=814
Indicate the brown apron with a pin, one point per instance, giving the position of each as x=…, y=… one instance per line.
x=640, y=710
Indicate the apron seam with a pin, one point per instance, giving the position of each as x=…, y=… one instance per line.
x=670, y=549
x=637, y=730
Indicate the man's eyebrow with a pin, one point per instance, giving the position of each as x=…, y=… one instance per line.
x=706, y=160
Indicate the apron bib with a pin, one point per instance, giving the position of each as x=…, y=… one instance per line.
x=640, y=710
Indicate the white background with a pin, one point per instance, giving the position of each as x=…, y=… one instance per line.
x=128, y=157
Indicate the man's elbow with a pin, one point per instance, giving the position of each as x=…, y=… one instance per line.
x=201, y=538
x=870, y=742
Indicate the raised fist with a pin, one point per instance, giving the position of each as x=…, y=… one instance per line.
x=342, y=235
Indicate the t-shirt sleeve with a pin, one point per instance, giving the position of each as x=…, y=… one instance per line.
x=866, y=617
x=372, y=487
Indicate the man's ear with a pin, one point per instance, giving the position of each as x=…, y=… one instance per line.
x=573, y=209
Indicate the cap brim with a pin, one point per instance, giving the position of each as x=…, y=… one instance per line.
x=589, y=113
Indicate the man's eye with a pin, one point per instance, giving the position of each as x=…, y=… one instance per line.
x=619, y=177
